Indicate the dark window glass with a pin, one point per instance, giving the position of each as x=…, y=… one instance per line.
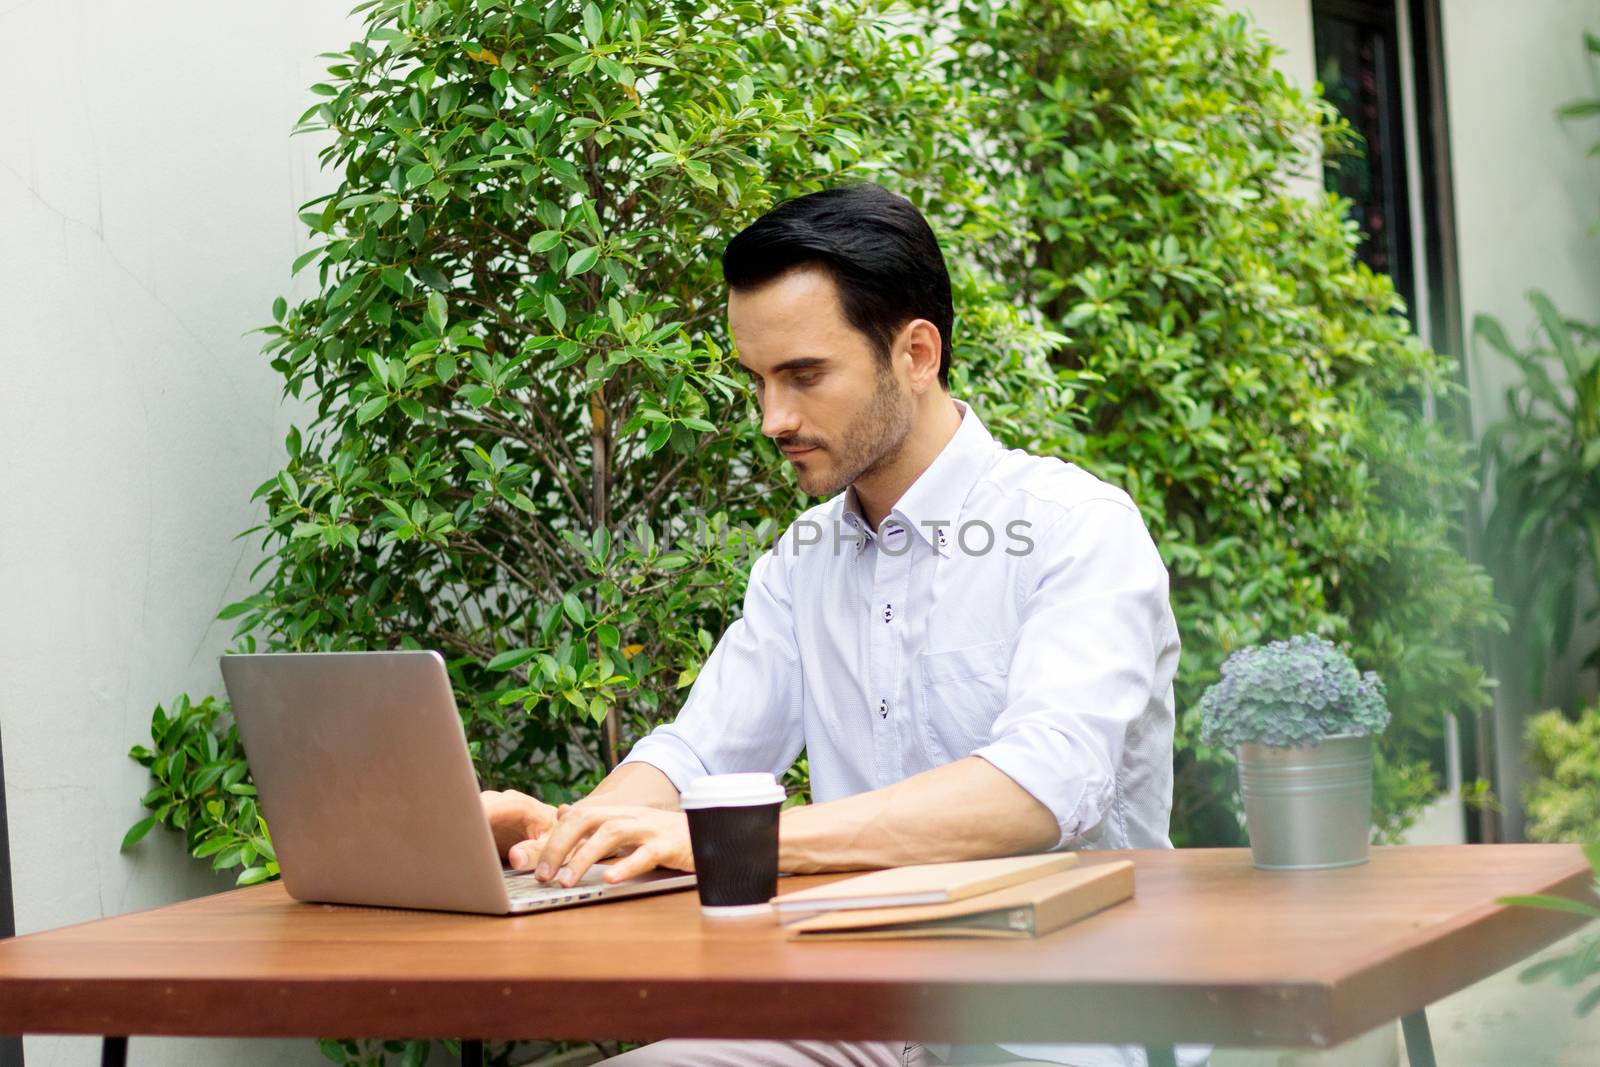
x=1357, y=49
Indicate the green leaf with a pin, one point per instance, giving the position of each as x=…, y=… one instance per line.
x=593, y=25
x=573, y=608
x=209, y=848
x=557, y=313
x=137, y=831
x=1579, y=109
x=1552, y=903
x=608, y=635
x=510, y=658
x=544, y=240
x=344, y=292
x=582, y=260
x=420, y=174
x=303, y=258
x=371, y=409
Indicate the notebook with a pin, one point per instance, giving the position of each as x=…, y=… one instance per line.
x=1028, y=909
x=927, y=883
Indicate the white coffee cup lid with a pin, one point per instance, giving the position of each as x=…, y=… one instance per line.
x=732, y=791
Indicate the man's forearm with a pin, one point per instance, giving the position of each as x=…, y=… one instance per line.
x=964, y=810
x=636, y=783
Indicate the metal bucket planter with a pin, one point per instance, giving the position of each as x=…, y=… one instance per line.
x=1308, y=807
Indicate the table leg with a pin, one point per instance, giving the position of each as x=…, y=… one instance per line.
x=471, y=1054
x=114, y=1052
x=1161, y=1055
x=1419, y=1043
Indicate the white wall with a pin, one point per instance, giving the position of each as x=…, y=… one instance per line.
x=1527, y=197
x=1526, y=192
x=148, y=188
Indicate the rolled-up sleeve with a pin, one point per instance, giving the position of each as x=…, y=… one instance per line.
x=744, y=711
x=1093, y=656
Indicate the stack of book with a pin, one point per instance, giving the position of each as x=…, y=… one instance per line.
x=1019, y=896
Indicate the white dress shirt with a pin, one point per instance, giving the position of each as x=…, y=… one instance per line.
x=1011, y=607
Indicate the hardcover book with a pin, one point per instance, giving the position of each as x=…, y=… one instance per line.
x=927, y=883
x=1027, y=909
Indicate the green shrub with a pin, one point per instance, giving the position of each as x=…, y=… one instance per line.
x=199, y=787
x=1257, y=389
x=1562, y=801
x=528, y=452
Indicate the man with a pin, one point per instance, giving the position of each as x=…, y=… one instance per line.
x=973, y=645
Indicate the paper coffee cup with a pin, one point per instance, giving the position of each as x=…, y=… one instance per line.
x=733, y=830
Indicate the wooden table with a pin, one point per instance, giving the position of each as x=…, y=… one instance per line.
x=1209, y=950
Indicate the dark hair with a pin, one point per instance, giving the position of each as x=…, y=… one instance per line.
x=879, y=249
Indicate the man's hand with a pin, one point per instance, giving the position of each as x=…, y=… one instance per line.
x=516, y=817
x=587, y=833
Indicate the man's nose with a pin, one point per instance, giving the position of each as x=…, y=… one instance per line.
x=778, y=417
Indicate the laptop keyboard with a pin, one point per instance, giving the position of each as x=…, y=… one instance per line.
x=527, y=887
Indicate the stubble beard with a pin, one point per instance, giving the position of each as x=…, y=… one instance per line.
x=873, y=440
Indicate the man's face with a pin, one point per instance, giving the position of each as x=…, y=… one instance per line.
x=827, y=400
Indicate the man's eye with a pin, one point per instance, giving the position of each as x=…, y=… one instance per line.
x=804, y=379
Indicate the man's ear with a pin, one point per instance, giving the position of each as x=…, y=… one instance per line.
x=920, y=346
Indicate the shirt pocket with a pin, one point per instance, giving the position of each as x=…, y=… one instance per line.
x=960, y=694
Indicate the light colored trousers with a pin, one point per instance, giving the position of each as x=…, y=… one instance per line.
x=695, y=1053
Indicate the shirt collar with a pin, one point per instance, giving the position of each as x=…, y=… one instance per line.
x=930, y=508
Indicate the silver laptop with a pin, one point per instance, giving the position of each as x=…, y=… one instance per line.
x=361, y=766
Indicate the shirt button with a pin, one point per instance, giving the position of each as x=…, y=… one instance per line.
x=883, y=709
x=888, y=613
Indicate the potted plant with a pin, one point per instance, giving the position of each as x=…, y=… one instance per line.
x=1301, y=719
